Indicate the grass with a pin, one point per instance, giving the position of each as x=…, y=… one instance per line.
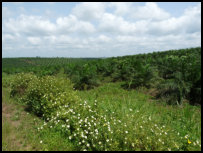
x=19, y=130
x=144, y=123
x=180, y=120
x=6, y=131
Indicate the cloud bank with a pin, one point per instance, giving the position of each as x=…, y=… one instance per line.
x=100, y=30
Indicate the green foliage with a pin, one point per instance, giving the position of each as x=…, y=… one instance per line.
x=6, y=80
x=20, y=83
x=146, y=70
x=195, y=93
x=43, y=95
x=39, y=66
x=99, y=120
x=48, y=94
x=85, y=77
x=142, y=76
x=181, y=74
x=173, y=90
x=111, y=122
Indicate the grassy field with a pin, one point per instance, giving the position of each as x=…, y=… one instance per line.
x=20, y=129
x=148, y=120
x=131, y=119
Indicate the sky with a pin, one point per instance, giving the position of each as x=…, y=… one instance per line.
x=98, y=29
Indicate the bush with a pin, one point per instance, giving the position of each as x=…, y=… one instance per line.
x=6, y=80
x=173, y=90
x=20, y=83
x=87, y=127
x=49, y=94
x=43, y=95
x=85, y=77
x=143, y=76
x=195, y=93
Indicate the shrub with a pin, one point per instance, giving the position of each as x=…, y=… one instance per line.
x=173, y=90
x=143, y=76
x=85, y=77
x=20, y=83
x=49, y=94
x=6, y=80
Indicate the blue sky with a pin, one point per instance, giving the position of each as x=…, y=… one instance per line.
x=100, y=29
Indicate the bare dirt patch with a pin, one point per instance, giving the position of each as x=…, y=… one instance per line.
x=8, y=112
x=5, y=112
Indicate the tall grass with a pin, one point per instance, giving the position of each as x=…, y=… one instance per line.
x=166, y=127
x=111, y=118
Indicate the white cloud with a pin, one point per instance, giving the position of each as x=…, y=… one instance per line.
x=149, y=11
x=34, y=40
x=7, y=37
x=192, y=19
x=189, y=22
x=40, y=26
x=121, y=8
x=103, y=38
x=30, y=25
x=89, y=11
x=100, y=29
x=72, y=24
x=115, y=24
